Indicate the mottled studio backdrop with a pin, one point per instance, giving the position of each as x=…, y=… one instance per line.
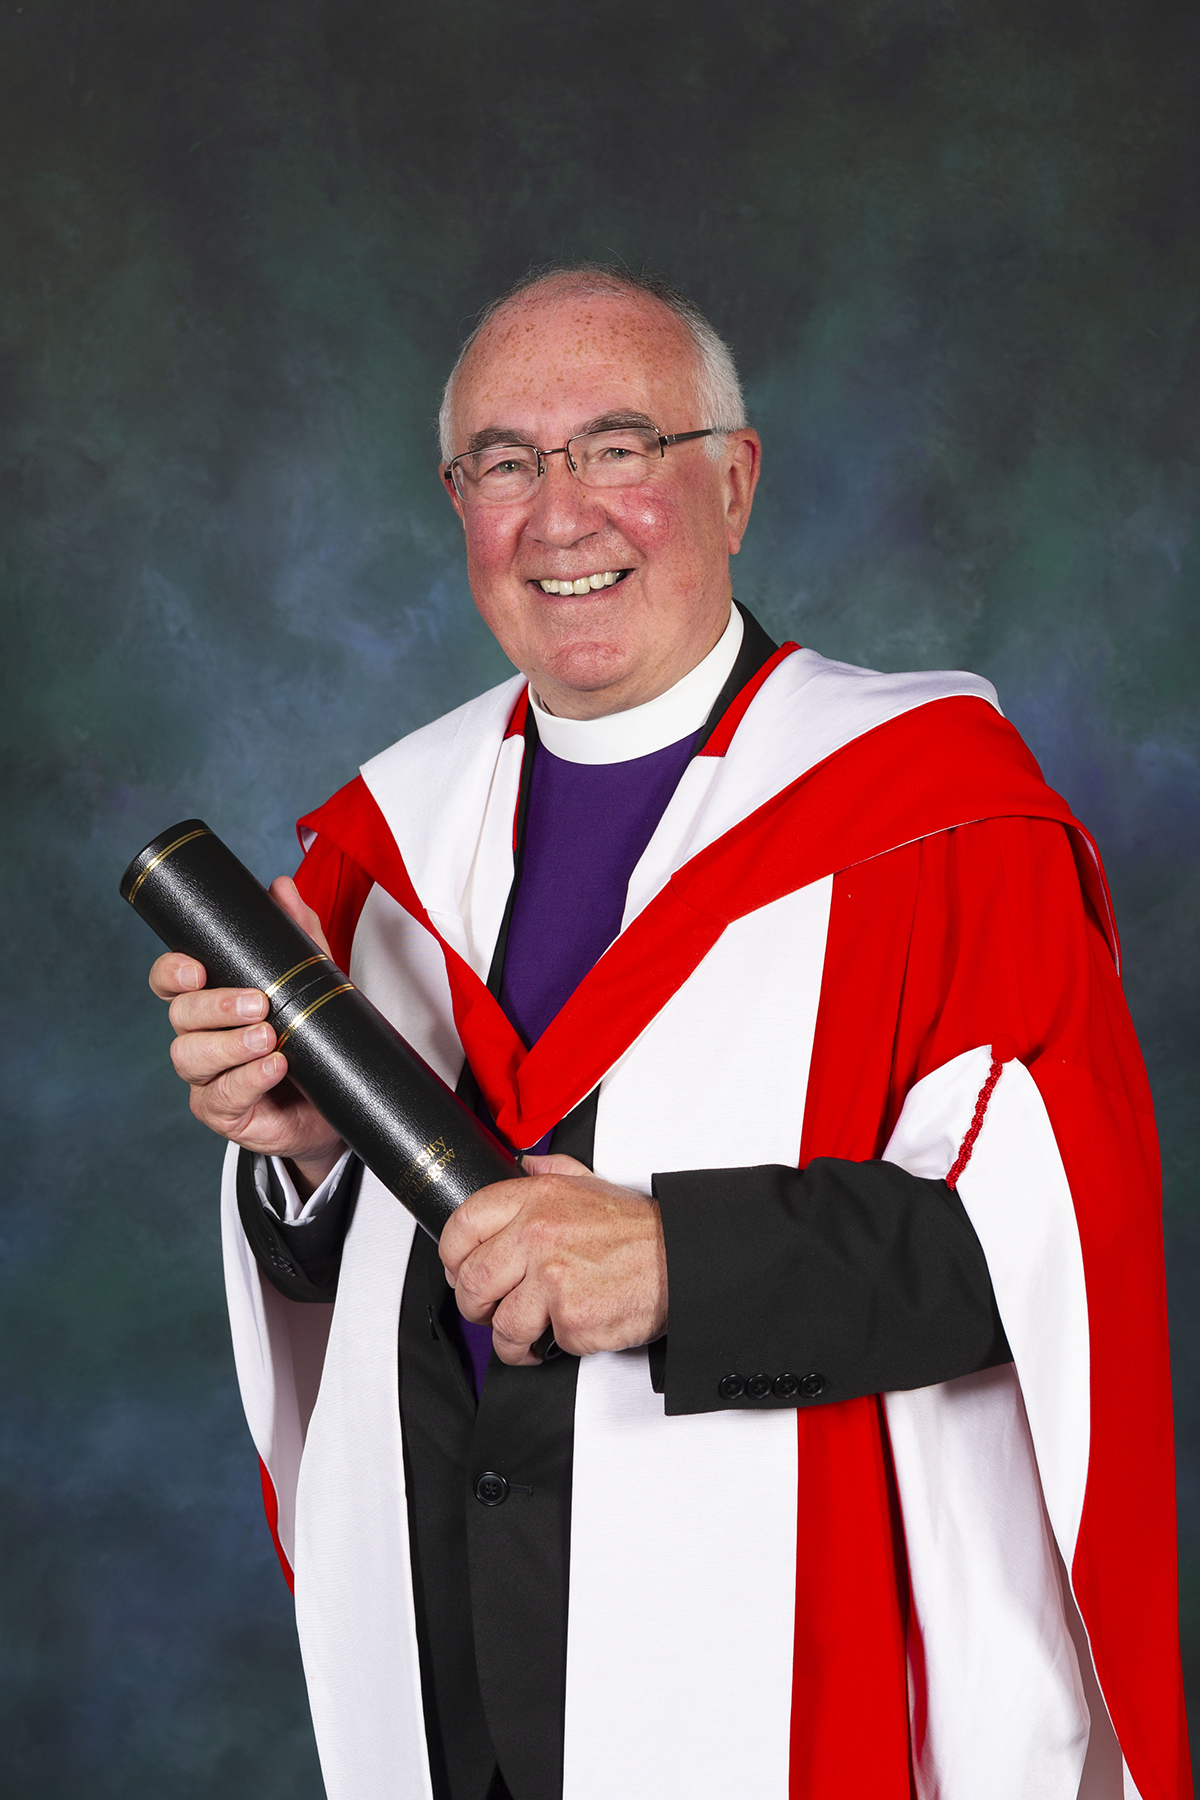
x=955, y=249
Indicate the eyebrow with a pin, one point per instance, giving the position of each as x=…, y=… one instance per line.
x=614, y=421
x=497, y=434
x=508, y=434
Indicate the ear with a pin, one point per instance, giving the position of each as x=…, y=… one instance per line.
x=743, y=461
x=455, y=500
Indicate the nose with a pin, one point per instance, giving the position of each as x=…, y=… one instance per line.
x=563, y=510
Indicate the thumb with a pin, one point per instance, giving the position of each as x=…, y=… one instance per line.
x=558, y=1164
x=285, y=891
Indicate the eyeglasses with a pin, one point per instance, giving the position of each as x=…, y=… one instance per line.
x=506, y=473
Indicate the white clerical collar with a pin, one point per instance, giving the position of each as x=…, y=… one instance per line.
x=619, y=737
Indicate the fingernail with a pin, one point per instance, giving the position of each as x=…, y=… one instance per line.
x=273, y=1067
x=250, y=1005
x=189, y=976
x=257, y=1038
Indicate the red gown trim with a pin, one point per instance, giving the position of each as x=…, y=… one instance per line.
x=271, y=1508
x=968, y=937
x=936, y=767
x=970, y=907
x=735, y=712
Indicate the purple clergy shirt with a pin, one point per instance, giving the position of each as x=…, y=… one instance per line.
x=586, y=826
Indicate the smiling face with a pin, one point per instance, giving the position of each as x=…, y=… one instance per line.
x=554, y=363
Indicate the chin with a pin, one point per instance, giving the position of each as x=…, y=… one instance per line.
x=586, y=667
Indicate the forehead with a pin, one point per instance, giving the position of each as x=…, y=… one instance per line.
x=566, y=358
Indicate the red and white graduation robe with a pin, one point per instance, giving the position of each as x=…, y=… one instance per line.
x=861, y=910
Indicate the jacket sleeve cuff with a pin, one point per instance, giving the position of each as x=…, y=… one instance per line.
x=792, y=1288
x=302, y=1260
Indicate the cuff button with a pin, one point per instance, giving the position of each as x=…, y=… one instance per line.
x=491, y=1489
x=812, y=1385
x=731, y=1387
x=784, y=1386
x=759, y=1386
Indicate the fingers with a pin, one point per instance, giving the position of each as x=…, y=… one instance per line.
x=476, y=1221
x=224, y=1049
x=518, y=1322
x=489, y=1275
x=486, y=1253
x=227, y=1102
x=503, y=1283
x=555, y=1164
x=217, y=1009
x=583, y=1254
x=242, y=1094
x=200, y=1056
x=175, y=974
x=284, y=890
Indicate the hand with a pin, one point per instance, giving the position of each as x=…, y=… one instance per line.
x=560, y=1248
x=236, y=1090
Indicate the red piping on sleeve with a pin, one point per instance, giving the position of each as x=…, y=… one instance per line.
x=1003, y=1050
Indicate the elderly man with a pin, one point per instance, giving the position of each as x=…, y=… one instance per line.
x=797, y=986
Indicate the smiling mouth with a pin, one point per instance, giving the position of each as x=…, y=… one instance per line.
x=584, y=584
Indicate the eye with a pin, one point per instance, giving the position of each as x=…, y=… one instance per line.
x=502, y=461
x=615, y=449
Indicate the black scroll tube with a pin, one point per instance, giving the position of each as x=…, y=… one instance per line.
x=380, y=1096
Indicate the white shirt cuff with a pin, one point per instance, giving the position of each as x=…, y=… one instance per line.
x=295, y=1210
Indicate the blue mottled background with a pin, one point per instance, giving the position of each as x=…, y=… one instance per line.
x=955, y=248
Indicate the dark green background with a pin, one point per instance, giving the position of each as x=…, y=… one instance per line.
x=955, y=250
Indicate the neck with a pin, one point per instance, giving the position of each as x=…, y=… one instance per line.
x=641, y=730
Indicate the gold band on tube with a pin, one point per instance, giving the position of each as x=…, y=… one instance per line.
x=284, y=979
x=346, y=988
x=163, y=855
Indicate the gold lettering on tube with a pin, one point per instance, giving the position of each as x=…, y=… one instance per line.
x=427, y=1166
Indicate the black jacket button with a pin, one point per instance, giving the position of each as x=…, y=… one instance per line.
x=731, y=1387
x=784, y=1386
x=759, y=1386
x=491, y=1489
x=812, y=1385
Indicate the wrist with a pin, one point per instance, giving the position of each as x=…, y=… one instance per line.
x=308, y=1172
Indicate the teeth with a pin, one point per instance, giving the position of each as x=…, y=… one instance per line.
x=586, y=583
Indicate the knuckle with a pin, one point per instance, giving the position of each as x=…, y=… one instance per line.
x=511, y=1322
x=480, y=1282
x=539, y=1230
x=569, y=1322
x=555, y=1273
x=469, y=1285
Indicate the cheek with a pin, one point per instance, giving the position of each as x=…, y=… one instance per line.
x=491, y=545
x=651, y=520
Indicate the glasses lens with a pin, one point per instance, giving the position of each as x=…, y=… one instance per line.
x=615, y=458
x=501, y=472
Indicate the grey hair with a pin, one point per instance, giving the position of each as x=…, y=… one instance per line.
x=718, y=389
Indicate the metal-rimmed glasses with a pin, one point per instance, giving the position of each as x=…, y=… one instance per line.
x=504, y=474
